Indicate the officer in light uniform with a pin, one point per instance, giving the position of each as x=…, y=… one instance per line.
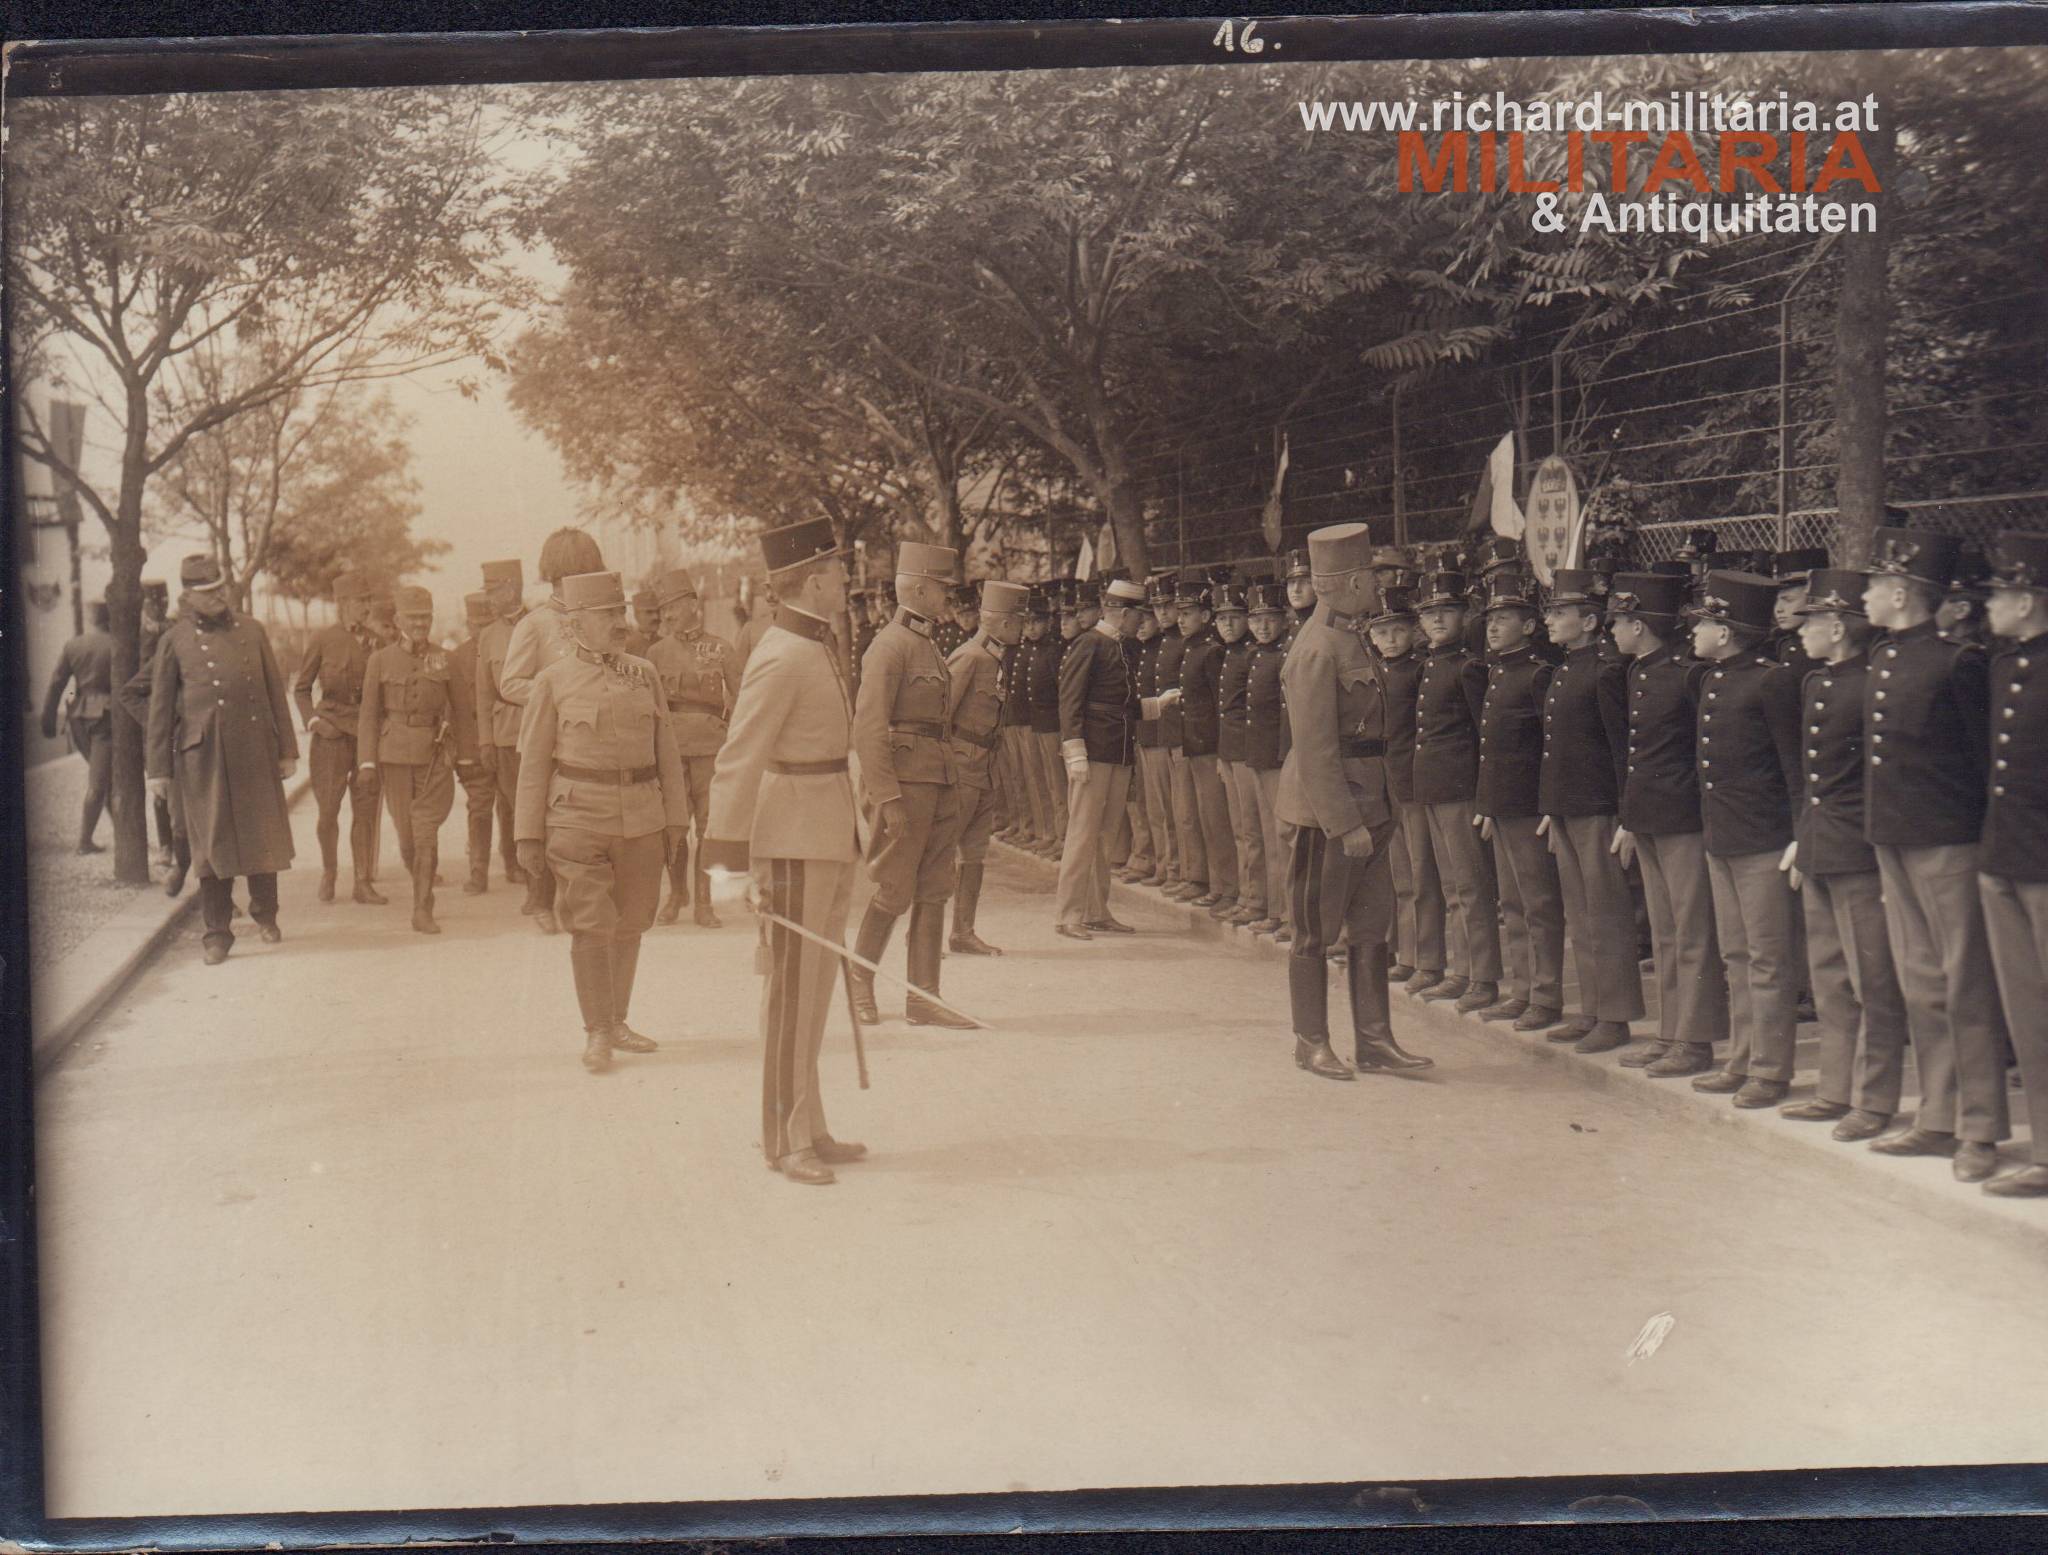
x=479, y=786
x=700, y=678
x=497, y=720
x=602, y=794
x=406, y=732
x=335, y=663
x=977, y=690
x=1927, y=741
x=909, y=782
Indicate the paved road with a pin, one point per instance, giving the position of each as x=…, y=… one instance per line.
x=342, y=1224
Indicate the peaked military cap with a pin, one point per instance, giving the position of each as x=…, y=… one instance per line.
x=476, y=609
x=1227, y=596
x=1919, y=554
x=1699, y=542
x=155, y=588
x=410, y=599
x=1833, y=591
x=675, y=584
x=1396, y=604
x=1266, y=596
x=1040, y=602
x=1441, y=588
x=349, y=586
x=511, y=572
x=1296, y=564
x=938, y=562
x=1795, y=567
x=1738, y=599
x=1972, y=579
x=1509, y=591
x=200, y=571
x=1161, y=588
x=1122, y=591
x=1000, y=598
x=1192, y=590
x=1496, y=553
x=1339, y=548
x=596, y=590
x=795, y=544
x=2021, y=561
x=1658, y=595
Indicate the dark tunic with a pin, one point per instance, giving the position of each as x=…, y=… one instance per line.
x=1449, y=697
x=1403, y=677
x=1585, y=736
x=1660, y=794
x=1016, y=681
x=1145, y=669
x=2016, y=818
x=1043, y=674
x=219, y=724
x=1511, y=734
x=1166, y=674
x=1748, y=754
x=1099, y=698
x=1926, y=734
x=1201, y=685
x=1265, y=708
x=1829, y=821
x=87, y=659
x=1233, y=700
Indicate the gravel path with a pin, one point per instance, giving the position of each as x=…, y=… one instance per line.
x=70, y=895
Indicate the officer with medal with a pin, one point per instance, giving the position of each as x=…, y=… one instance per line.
x=700, y=678
x=1333, y=790
x=405, y=732
x=602, y=803
x=909, y=783
x=782, y=807
x=976, y=669
x=479, y=785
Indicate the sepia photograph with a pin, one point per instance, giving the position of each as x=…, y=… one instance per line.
x=1262, y=767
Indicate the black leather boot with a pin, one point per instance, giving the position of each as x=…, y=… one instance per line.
x=1372, y=1017
x=964, y=941
x=927, y=923
x=1308, y=993
x=423, y=859
x=702, y=914
x=590, y=962
x=875, y=929
x=625, y=963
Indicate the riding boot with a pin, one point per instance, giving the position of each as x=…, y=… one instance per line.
x=1308, y=997
x=966, y=899
x=625, y=962
x=479, y=854
x=590, y=963
x=875, y=929
x=927, y=927
x=1372, y=1023
x=704, y=917
x=423, y=858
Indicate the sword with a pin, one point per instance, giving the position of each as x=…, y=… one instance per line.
x=853, y=958
x=860, y=1047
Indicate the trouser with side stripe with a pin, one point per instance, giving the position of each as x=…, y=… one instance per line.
x=801, y=979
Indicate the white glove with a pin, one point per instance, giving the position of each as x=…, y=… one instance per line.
x=1789, y=863
x=159, y=788
x=1075, y=753
x=730, y=887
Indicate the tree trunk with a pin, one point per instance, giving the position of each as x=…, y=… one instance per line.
x=1862, y=322
x=1118, y=494
x=124, y=619
x=946, y=517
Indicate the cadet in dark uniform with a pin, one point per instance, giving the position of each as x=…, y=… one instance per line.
x=1333, y=791
x=1791, y=572
x=497, y=720
x=87, y=659
x=1855, y=985
x=1505, y=804
x=860, y=619
x=1046, y=655
x=2013, y=877
x=909, y=783
x=1960, y=616
x=220, y=725
x=1187, y=865
x=1927, y=740
x=1661, y=826
x=1418, y=892
x=1450, y=695
x=1153, y=783
x=1301, y=593
x=1142, y=856
x=1025, y=686
x=479, y=786
x=1585, y=746
x=602, y=793
x=1264, y=755
x=1749, y=768
x=700, y=678
x=1201, y=683
x=336, y=663
x=405, y=731
x=946, y=632
x=975, y=670
x=1020, y=819
x=1240, y=786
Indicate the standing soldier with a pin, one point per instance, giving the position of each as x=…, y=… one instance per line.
x=1418, y=892
x=156, y=607
x=1585, y=741
x=1792, y=573
x=2013, y=872
x=1240, y=787
x=602, y=794
x=978, y=691
x=1449, y=697
x=1021, y=705
x=497, y=719
x=756, y=627
x=908, y=782
x=1926, y=725
x=1153, y=782
x=405, y=733
x=1264, y=755
x=541, y=638
x=87, y=659
x=1506, y=807
x=700, y=679
x=1201, y=685
x=1149, y=845
x=1019, y=826
x=1855, y=985
x=1661, y=826
x=220, y=726
x=1749, y=765
x=782, y=806
x=479, y=787
x=1046, y=655
x=1301, y=593
x=1960, y=617
x=1333, y=790
x=646, y=624
x=946, y=632
x=336, y=664
x=1175, y=793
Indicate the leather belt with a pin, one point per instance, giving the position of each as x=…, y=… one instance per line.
x=421, y=720
x=986, y=744
x=1353, y=748
x=679, y=703
x=623, y=778
x=807, y=768
x=926, y=726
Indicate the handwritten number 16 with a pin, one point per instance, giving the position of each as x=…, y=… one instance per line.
x=1243, y=39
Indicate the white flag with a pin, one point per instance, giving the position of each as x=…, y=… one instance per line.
x=1500, y=470
x=1084, y=564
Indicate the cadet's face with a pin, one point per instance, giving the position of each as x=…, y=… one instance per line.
x=969, y=620
x=1952, y=612
x=1147, y=626
x=1882, y=600
x=1441, y=624
x=1508, y=629
x=1190, y=619
x=1392, y=638
x=1568, y=627
x=1230, y=625
x=1818, y=634
x=1786, y=607
x=2015, y=612
x=416, y=623
x=1266, y=625
x=1070, y=624
x=1034, y=629
x=1709, y=639
x=1301, y=593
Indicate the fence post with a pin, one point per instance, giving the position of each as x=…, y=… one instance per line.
x=1785, y=391
x=1400, y=502
x=1180, y=508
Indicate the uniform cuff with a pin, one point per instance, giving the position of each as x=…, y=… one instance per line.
x=1073, y=750
x=724, y=853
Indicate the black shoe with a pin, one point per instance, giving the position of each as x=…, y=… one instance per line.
x=1975, y=1161
x=1384, y=1053
x=1572, y=1030
x=1860, y=1125
x=1107, y=926
x=1815, y=1111
x=967, y=943
x=1421, y=982
x=1445, y=989
x=1720, y=1083
x=1651, y=1052
x=1682, y=1058
x=1605, y=1037
x=1478, y=996
x=1317, y=1058
x=213, y=955
x=1538, y=1017
x=1761, y=1093
x=2029, y=1182
x=174, y=882
x=1916, y=1141
x=1505, y=1009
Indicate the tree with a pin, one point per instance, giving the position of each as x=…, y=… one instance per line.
x=333, y=236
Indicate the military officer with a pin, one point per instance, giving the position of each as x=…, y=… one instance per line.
x=497, y=720
x=909, y=783
x=1506, y=809
x=1264, y=754
x=1927, y=741
x=87, y=659
x=220, y=725
x=1585, y=746
x=1176, y=792
x=2013, y=867
x=1046, y=656
x=1418, y=892
x=1749, y=766
x=1301, y=592
x=646, y=625
x=603, y=796
x=1025, y=677
x=406, y=731
x=133, y=697
x=1661, y=826
x=479, y=786
x=1861, y=1011
x=977, y=692
x=782, y=806
x=541, y=638
x=336, y=663
x=1450, y=696
x=1201, y=680
x=700, y=680
x=1240, y=787
x=1333, y=791
x=1019, y=756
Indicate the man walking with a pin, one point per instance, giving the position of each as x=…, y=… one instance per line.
x=479, y=787
x=700, y=678
x=87, y=660
x=406, y=732
x=976, y=671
